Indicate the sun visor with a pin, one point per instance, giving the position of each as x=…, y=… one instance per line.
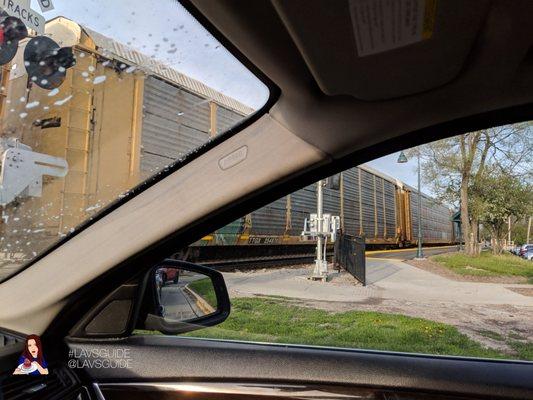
x=382, y=49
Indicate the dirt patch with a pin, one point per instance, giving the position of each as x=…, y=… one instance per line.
x=491, y=325
x=436, y=268
x=523, y=291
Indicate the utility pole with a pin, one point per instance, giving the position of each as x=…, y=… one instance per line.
x=402, y=159
x=528, y=229
x=509, y=231
x=419, y=253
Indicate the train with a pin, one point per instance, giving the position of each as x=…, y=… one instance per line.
x=368, y=203
x=120, y=117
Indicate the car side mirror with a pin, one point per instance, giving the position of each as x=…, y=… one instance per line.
x=181, y=297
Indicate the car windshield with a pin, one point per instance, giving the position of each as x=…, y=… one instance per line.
x=97, y=97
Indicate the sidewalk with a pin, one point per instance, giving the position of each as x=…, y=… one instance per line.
x=387, y=279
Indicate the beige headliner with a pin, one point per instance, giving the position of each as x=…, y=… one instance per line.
x=497, y=73
x=305, y=127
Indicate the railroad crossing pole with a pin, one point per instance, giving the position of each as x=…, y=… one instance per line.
x=321, y=265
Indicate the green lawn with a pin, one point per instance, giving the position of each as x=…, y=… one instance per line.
x=524, y=350
x=276, y=320
x=487, y=264
x=204, y=288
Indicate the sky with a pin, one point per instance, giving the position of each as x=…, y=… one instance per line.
x=165, y=30
x=407, y=173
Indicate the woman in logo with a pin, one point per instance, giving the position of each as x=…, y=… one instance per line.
x=32, y=361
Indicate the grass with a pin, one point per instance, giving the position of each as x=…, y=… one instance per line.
x=491, y=335
x=275, y=320
x=204, y=288
x=487, y=264
x=524, y=350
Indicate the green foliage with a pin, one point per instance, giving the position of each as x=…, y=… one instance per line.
x=478, y=172
x=500, y=196
x=519, y=232
x=204, y=288
x=524, y=349
x=276, y=320
x=448, y=162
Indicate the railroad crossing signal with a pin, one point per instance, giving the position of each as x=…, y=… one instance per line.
x=321, y=227
x=12, y=30
x=47, y=63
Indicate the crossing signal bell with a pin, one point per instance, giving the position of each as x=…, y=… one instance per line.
x=47, y=63
x=12, y=30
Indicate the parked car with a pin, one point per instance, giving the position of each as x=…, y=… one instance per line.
x=528, y=255
x=524, y=249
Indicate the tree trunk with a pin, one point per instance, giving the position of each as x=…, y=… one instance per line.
x=497, y=247
x=465, y=221
x=475, y=240
x=499, y=234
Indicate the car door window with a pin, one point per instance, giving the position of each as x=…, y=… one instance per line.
x=468, y=293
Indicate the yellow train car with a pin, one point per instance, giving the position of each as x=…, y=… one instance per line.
x=117, y=119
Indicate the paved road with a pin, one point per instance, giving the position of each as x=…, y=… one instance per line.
x=178, y=304
x=409, y=254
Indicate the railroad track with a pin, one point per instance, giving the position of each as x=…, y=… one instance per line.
x=260, y=262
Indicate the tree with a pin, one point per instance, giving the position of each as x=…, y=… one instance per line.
x=498, y=197
x=454, y=166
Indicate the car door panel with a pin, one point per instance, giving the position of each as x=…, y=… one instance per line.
x=253, y=391
x=156, y=359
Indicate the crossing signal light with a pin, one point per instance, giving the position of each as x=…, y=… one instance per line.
x=12, y=30
x=47, y=63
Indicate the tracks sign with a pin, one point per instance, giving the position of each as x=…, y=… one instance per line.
x=21, y=9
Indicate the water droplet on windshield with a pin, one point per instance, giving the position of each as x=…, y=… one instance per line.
x=99, y=79
x=53, y=92
x=61, y=102
x=33, y=104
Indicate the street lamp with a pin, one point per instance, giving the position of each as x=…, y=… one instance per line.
x=402, y=159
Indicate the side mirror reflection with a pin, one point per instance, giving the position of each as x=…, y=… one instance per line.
x=181, y=297
x=184, y=295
